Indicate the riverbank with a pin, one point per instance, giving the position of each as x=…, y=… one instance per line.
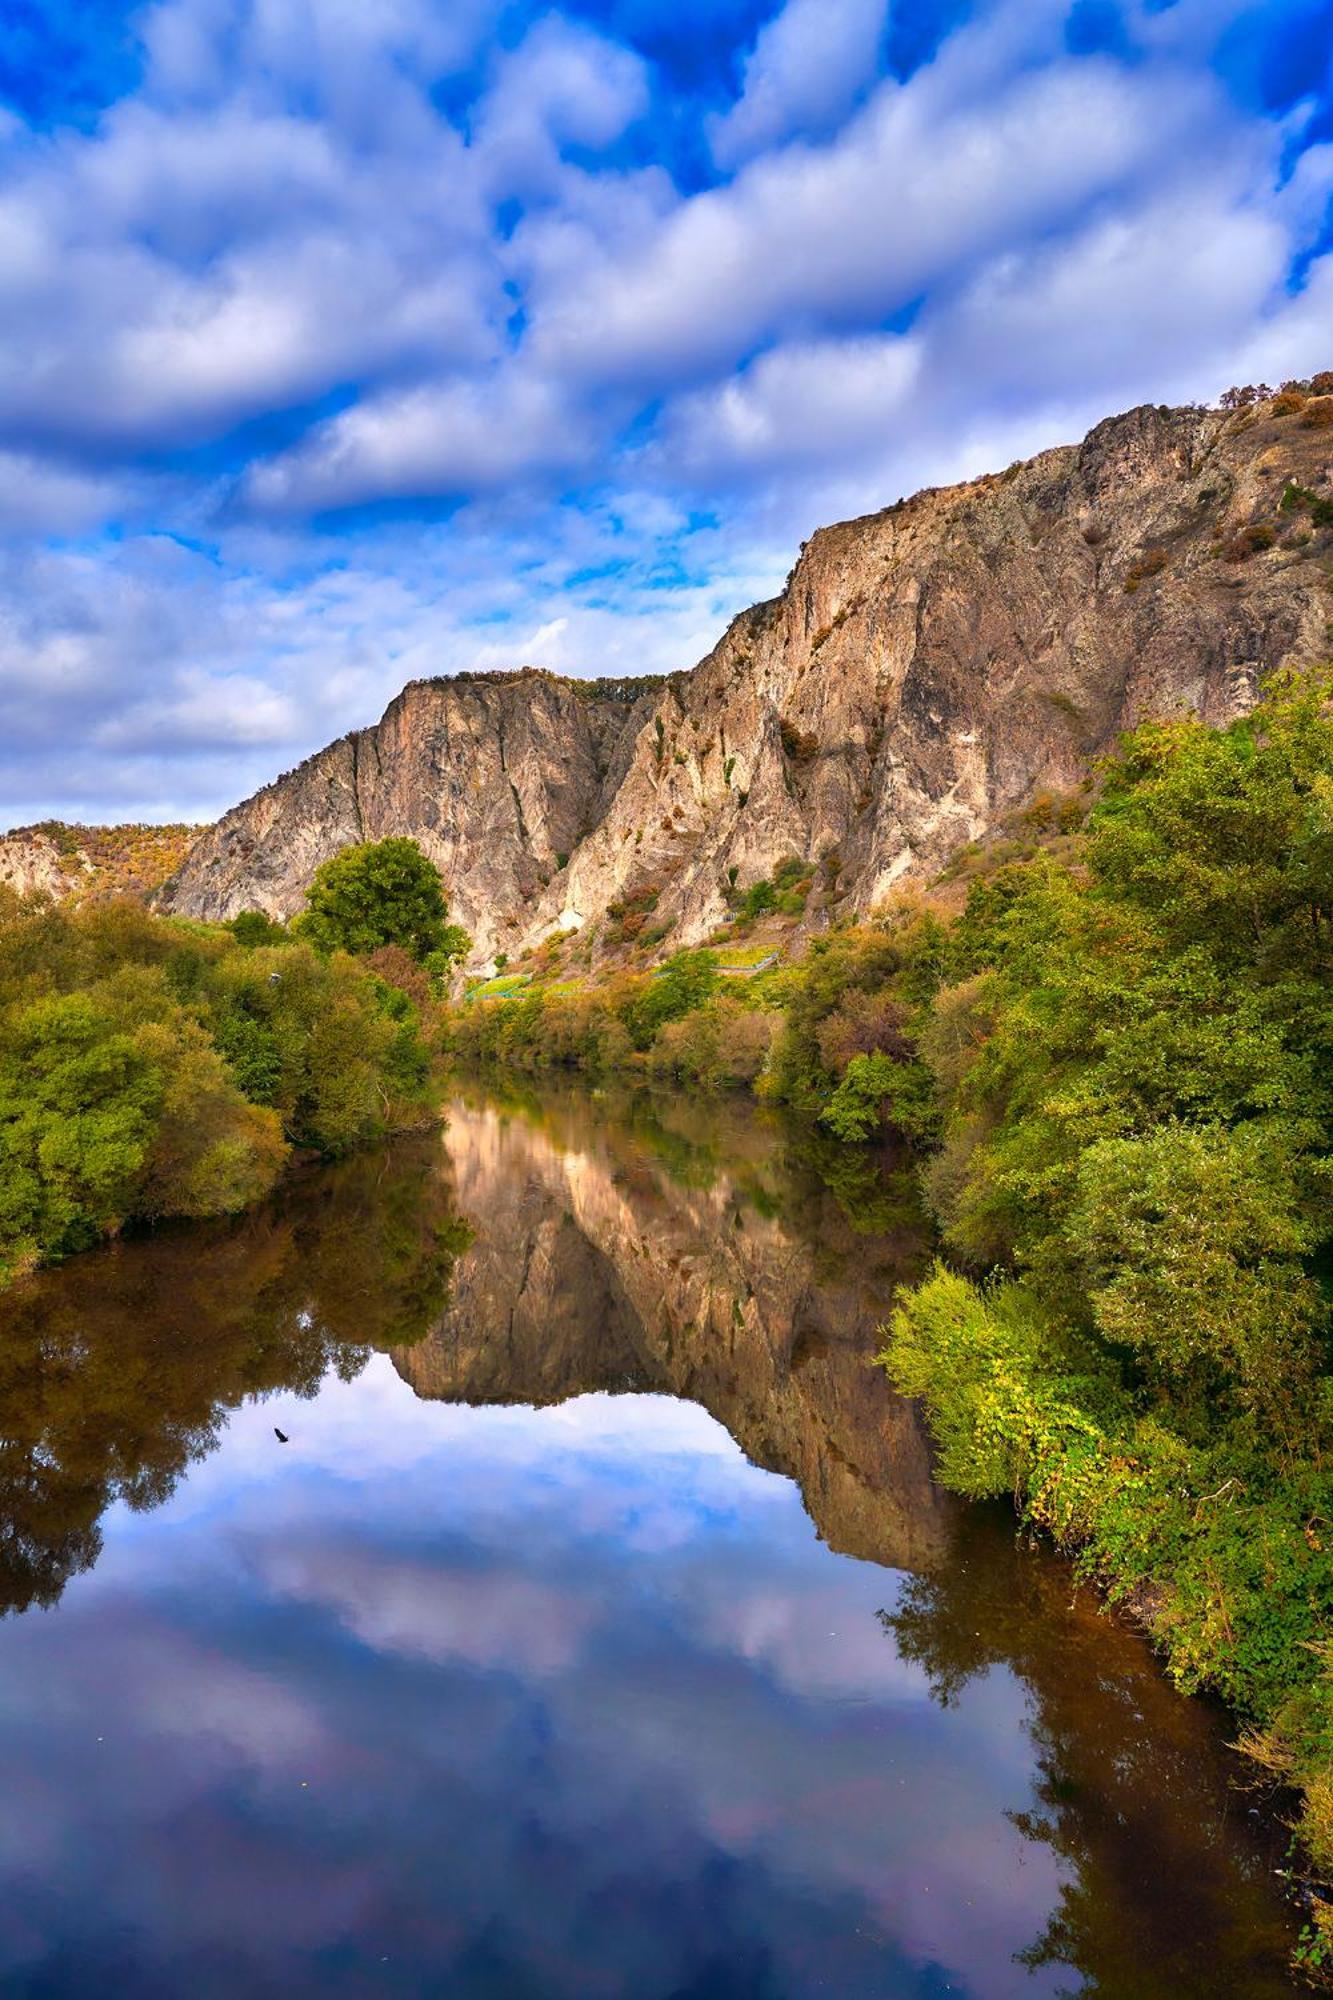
x=1116, y=1067
x=152, y=1068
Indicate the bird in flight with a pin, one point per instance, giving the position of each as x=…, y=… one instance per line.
x=281, y=1436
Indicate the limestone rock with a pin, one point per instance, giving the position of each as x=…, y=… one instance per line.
x=926, y=670
x=32, y=865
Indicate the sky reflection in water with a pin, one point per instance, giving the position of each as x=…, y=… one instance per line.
x=498, y=1702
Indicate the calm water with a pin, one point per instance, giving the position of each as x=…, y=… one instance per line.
x=598, y=1632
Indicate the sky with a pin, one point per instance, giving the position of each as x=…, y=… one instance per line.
x=344, y=344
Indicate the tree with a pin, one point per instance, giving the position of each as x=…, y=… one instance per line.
x=879, y=1089
x=686, y=981
x=381, y=892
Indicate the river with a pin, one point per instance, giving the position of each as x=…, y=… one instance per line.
x=597, y=1630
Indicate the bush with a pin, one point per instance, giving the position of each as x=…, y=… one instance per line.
x=1247, y=542
x=721, y=1047
x=1150, y=564
x=757, y=900
x=684, y=982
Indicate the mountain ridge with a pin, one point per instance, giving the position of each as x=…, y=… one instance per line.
x=926, y=669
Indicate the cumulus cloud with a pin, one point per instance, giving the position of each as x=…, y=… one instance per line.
x=915, y=189
x=319, y=274
x=561, y=87
x=448, y=439
x=797, y=405
x=807, y=70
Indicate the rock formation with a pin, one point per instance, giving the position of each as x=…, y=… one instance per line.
x=926, y=670
x=32, y=865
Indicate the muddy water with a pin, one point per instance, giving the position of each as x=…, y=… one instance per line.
x=598, y=1630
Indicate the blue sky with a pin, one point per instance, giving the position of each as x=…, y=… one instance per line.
x=342, y=344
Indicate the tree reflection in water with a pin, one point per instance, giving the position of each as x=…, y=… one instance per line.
x=117, y=1371
x=1135, y=1790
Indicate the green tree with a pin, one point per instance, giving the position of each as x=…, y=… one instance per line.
x=79, y=1100
x=687, y=980
x=381, y=892
x=151, y=1067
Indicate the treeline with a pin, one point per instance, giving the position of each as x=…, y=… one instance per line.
x=151, y=1067
x=826, y=1034
x=1117, y=1071
x=681, y=1021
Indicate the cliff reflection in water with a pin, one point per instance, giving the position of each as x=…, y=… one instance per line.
x=118, y=1369
x=707, y=1253
x=565, y=1701
x=698, y=1251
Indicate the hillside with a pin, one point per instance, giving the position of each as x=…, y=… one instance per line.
x=57, y=859
x=926, y=671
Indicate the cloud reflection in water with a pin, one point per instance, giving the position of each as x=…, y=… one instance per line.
x=498, y=1702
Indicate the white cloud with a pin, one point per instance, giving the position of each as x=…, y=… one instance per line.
x=919, y=184
x=273, y=283
x=807, y=403
x=454, y=438
x=562, y=86
x=807, y=70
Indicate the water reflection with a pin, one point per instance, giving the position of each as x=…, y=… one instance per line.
x=118, y=1370
x=494, y=1683
x=1166, y=1875
x=618, y=1253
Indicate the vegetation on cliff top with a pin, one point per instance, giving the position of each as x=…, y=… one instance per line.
x=107, y=861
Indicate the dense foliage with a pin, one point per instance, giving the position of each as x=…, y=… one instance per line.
x=152, y=1068
x=377, y=894
x=682, y=1021
x=1133, y=1071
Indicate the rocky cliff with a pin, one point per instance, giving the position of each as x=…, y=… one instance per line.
x=926, y=670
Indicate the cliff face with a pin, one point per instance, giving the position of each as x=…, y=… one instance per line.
x=925, y=671
x=498, y=776
x=32, y=865
x=595, y=1269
